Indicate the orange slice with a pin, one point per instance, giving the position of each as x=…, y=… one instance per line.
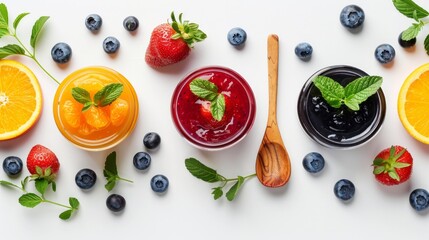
x=118, y=111
x=413, y=104
x=20, y=99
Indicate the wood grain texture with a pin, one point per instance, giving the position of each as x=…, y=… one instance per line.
x=272, y=162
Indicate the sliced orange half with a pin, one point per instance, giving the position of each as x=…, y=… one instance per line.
x=413, y=104
x=20, y=99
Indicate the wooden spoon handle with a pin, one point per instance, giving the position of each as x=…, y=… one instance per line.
x=273, y=64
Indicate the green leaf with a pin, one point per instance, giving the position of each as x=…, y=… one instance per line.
x=108, y=94
x=110, y=165
x=331, y=90
x=18, y=19
x=217, y=192
x=411, y=32
x=401, y=165
x=41, y=185
x=217, y=107
x=4, y=32
x=110, y=185
x=11, y=49
x=360, y=89
x=426, y=44
x=74, y=203
x=378, y=162
x=66, y=214
x=39, y=171
x=4, y=16
x=30, y=200
x=394, y=175
x=201, y=171
x=410, y=9
x=6, y=183
x=81, y=95
x=24, y=182
x=204, y=89
x=379, y=169
x=37, y=28
x=230, y=195
x=86, y=106
x=54, y=186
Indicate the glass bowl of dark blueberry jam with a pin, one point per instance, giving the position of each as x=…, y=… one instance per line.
x=339, y=127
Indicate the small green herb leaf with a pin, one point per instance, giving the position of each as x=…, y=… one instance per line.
x=81, y=95
x=86, y=106
x=217, y=193
x=379, y=170
x=360, y=89
x=4, y=16
x=331, y=90
x=110, y=165
x=230, y=195
x=4, y=32
x=110, y=185
x=41, y=185
x=108, y=94
x=394, y=175
x=10, y=49
x=217, y=107
x=426, y=44
x=30, y=200
x=204, y=89
x=201, y=171
x=410, y=9
x=66, y=214
x=18, y=19
x=412, y=31
x=74, y=203
x=37, y=28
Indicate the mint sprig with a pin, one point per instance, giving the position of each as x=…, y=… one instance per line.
x=19, y=48
x=352, y=95
x=103, y=97
x=412, y=10
x=110, y=172
x=207, y=174
x=207, y=90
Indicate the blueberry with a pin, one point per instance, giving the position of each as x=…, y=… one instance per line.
x=313, y=162
x=406, y=43
x=115, y=203
x=384, y=53
x=61, y=52
x=12, y=165
x=151, y=140
x=237, y=36
x=131, y=23
x=344, y=189
x=159, y=183
x=419, y=199
x=352, y=16
x=304, y=51
x=141, y=160
x=93, y=22
x=111, y=45
x=85, y=178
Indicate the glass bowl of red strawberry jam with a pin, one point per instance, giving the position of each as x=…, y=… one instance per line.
x=339, y=128
x=213, y=108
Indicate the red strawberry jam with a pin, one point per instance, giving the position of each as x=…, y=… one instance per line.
x=193, y=117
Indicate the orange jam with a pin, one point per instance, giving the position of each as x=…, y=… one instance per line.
x=95, y=127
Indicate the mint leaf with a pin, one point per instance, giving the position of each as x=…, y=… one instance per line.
x=74, y=203
x=410, y=9
x=108, y=94
x=18, y=19
x=204, y=89
x=81, y=95
x=110, y=165
x=217, y=107
x=230, y=195
x=201, y=171
x=426, y=44
x=217, y=193
x=37, y=28
x=412, y=31
x=10, y=49
x=86, y=106
x=41, y=185
x=331, y=90
x=110, y=185
x=30, y=200
x=66, y=214
x=360, y=89
x=4, y=16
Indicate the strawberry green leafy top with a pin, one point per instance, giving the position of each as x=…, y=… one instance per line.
x=187, y=31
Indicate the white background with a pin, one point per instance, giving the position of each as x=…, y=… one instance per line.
x=306, y=207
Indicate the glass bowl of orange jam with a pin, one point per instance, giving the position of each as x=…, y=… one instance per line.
x=95, y=108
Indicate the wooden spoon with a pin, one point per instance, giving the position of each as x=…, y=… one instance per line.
x=272, y=163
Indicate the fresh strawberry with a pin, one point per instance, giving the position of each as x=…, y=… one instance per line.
x=172, y=42
x=393, y=165
x=42, y=163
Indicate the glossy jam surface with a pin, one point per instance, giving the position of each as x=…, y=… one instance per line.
x=97, y=128
x=193, y=119
x=340, y=127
